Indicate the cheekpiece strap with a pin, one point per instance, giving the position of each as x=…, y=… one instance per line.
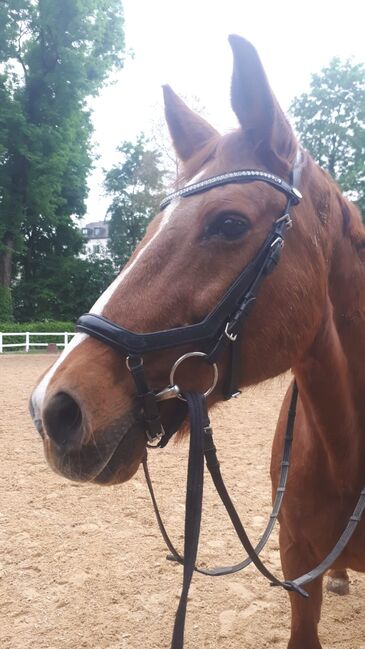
x=240, y=176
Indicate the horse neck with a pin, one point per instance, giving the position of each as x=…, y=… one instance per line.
x=331, y=374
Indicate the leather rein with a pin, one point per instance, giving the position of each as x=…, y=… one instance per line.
x=219, y=331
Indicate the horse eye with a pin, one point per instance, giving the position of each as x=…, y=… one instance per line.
x=229, y=226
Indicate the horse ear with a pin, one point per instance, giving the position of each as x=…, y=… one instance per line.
x=256, y=107
x=189, y=131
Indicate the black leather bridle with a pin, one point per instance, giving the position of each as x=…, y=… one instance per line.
x=220, y=329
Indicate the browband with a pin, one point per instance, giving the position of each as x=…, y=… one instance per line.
x=239, y=176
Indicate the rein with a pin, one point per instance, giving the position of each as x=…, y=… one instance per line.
x=202, y=446
x=218, y=332
x=214, y=470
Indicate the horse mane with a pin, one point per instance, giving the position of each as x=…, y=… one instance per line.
x=330, y=202
x=352, y=224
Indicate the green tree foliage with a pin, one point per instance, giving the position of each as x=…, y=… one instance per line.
x=330, y=120
x=136, y=185
x=6, y=307
x=64, y=288
x=54, y=56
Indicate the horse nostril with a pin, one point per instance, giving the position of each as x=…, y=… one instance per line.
x=62, y=418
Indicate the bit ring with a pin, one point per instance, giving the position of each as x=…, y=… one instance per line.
x=191, y=355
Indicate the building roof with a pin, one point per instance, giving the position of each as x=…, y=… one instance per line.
x=96, y=230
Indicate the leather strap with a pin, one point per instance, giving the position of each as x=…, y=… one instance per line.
x=194, y=498
x=201, y=443
x=336, y=551
x=231, y=382
x=147, y=399
x=212, y=462
x=214, y=469
x=210, y=458
x=231, y=308
x=239, y=176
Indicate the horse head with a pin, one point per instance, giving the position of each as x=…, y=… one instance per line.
x=85, y=406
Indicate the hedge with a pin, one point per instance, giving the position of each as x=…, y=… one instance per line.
x=50, y=326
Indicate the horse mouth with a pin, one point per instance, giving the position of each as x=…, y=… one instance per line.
x=109, y=458
x=126, y=458
x=113, y=455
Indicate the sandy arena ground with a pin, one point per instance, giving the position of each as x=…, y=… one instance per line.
x=83, y=567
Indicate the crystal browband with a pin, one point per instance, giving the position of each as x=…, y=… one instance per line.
x=240, y=176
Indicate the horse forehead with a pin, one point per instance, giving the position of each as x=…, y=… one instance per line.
x=256, y=199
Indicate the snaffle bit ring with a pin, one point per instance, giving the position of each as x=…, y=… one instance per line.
x=191, y=355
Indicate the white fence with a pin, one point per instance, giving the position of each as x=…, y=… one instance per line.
x=27, y=345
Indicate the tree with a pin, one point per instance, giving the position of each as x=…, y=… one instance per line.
x=136, y=185
x=53, y=57
x=330, y=120
x=64, y=288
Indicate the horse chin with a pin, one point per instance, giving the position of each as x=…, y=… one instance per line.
x=112, y=460
x=126, y=458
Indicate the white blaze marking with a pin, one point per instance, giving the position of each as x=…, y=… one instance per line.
x=97, y=309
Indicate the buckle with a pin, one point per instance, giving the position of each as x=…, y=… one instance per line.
x=154, y=438
x=298, y=195
x=231, y=337
x=134, y=363
x=279, y=240
x=286, y=220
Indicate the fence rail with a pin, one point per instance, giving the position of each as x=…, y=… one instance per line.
x=64, y=337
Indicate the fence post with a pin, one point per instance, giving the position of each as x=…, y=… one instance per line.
x=27, y=341
x=1, y=342
x=65, y=339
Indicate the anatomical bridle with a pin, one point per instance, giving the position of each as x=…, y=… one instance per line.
x=220, y=329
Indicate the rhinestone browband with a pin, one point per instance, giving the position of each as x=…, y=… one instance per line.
x=245, y=175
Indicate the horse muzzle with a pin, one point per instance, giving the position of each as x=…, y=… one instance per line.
x=73, y=449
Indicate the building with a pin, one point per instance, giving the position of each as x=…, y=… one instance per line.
x=96, y=235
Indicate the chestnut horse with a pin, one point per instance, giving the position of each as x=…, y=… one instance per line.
x=309, y=316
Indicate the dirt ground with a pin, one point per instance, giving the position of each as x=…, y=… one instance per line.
x=83, y=567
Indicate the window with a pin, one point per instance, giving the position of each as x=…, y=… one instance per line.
x=97, y=231
x=96, y=249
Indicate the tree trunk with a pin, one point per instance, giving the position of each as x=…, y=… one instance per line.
x=6, y=256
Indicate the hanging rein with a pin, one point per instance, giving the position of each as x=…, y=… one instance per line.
x=218, y=331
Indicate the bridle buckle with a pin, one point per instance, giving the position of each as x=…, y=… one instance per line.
x=231, y=337
x=154, y=438
x=286, y=220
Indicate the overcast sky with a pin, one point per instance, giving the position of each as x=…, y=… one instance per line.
x=184, y=43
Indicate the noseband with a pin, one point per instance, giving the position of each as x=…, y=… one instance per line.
x=219, y=330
